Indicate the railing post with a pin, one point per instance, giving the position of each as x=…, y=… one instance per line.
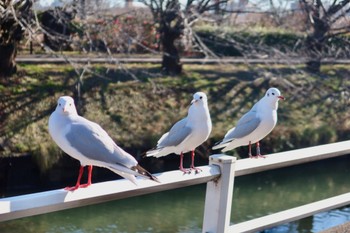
x=218, y=198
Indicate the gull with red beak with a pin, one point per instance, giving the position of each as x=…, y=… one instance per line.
x=187, y=133
x=87, y=142
x=254, y=125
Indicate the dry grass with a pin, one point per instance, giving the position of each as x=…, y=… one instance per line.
x=137, y=113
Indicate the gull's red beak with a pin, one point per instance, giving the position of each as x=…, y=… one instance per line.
x=281, y=97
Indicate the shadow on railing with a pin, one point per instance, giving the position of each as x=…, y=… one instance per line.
x=219, y=176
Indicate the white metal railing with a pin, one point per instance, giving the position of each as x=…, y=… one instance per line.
x=291, y=215
x=50, y=201
x=219, y=176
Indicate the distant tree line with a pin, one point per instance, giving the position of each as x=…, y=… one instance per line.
x=169, y=27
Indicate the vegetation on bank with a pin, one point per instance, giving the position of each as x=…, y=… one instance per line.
x=231, y=41
x=136, y=112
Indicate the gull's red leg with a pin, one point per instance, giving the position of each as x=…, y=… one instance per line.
x=258, y=154
x=250, y=150
x=89, y=178
x=197, y=170
x=181, y=164
x=77, y=185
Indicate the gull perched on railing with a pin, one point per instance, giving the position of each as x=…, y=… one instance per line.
x=87, y=142
x=254, y=125
x=187, y=133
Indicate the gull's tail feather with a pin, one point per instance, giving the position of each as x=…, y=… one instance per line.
x=153, y=152
x=218, y=146
x=144, y=173
x=131, y=173
x=221, y=144
x=159, y=152
x=125, y=174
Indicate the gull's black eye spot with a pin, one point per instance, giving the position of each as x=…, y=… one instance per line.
x=59, y=104
x=268, y=94
x=201, y=97
x=70, y=104
x=273, y=93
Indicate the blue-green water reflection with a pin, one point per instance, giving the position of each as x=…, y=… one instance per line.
x=181, y=210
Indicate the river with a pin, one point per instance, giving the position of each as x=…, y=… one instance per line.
x=181, y=210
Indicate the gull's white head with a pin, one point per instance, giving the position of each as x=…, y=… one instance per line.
x=199, y=98
x=273, y=94
x=66, y=106
x=199, y=108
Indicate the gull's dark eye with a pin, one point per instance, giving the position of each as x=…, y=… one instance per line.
x=273, y=93
x=70, y=104
x=59, y=104
x=201, y=97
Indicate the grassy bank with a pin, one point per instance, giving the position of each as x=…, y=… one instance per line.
x=137, y=109
x=236, y=41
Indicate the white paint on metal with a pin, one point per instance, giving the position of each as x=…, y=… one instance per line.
x=50, y=201
x=218, y=198
x=293, y=157
x=220, y=178
x=291, y=215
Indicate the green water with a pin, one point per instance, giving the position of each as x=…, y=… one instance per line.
x=181, y=210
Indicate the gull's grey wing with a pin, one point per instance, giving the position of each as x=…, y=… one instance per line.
x=94, y=143
x=246, y=125
x=177, y=134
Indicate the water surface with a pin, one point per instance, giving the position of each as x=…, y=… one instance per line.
x=181, y=210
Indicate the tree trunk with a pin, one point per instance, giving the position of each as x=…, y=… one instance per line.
x=171, y=59
x=314, y=47
x=82, y=9
x=313, y=65
x=7, y=61
x=315, y=42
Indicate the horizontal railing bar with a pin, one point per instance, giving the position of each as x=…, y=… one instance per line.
x=291, y=215
x=293, y=157
x=45, y=202
x=50, y=201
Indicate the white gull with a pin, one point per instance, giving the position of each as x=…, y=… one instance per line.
x=87, y=142
x=254, y=125
x=188, y=133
